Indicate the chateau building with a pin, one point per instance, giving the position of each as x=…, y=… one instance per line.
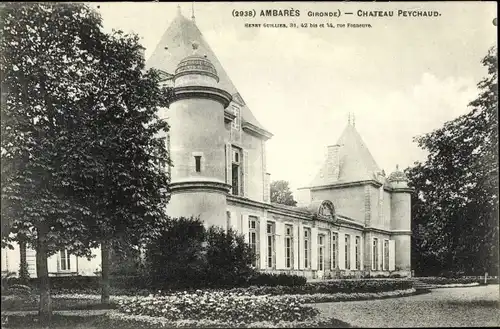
x=351, y=221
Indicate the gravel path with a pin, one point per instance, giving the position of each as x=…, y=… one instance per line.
x=455, y=307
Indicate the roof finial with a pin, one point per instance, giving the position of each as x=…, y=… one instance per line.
x=195, y=46
x=353, y=120
x=397, y=167
x=179, y=10
x=192, y=11
x=349, y=118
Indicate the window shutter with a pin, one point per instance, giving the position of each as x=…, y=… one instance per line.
x=245, y=173
x=300, y=241
x=263, y=242
x=228, y=164
x=280, y=245
x=392, y=253
x=244, y=227
x=341, y=252
x=314, y=248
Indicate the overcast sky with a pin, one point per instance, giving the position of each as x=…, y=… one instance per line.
x=401, y=78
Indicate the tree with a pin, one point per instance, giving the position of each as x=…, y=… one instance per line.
x=280, y=193
x=82, y=149
x=455, y=208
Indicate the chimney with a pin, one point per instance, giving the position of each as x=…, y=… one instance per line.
x=333, y=162
x=267, y=188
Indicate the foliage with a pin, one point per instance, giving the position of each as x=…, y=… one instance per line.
x=175, y=257
x=282, y=279
x=228, y=258
x=281, y=193
x=225, y=307
x=187, y=255
x=332, y=287
x=83, y=149
x=455, y=207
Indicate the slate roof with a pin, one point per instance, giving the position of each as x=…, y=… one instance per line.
x=178, y=39
x=355, y=161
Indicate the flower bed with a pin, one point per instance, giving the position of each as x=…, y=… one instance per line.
x=221, y=306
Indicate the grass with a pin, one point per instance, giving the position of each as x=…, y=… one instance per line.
x=102, y=322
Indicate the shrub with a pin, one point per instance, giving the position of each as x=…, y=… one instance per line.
x=220, y=306
x=332, y=287
x=282, y=279
x=228, y=259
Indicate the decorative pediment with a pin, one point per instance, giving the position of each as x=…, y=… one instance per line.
x=164, y=76
x=238, y=99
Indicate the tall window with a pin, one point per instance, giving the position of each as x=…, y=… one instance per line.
x=236, y=123
x=347, y=251
x=386, y=255
x=253, y=238
x=197, y=162
x=358, y=253
x=335, y=247
x=236, y=171
x=375, y=254
x=65, y=262
x=307, y=248
x=270, y=244
x=288, y=246
x=321, y=252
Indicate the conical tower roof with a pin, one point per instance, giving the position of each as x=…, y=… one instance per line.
x=355, y=162
x=176, y=44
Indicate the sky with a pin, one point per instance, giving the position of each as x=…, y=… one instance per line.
x=401, y=78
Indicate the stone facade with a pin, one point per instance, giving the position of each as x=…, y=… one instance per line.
x=351, y=221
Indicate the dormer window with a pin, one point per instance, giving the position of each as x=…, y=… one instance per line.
x=197, y=160
x=236, y=123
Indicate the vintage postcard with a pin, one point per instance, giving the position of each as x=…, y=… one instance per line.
x=250, y=164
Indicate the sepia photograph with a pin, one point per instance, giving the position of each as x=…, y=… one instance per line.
x=249, y=164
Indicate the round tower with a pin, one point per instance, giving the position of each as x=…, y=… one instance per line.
x=401, y=220
x=197, y=142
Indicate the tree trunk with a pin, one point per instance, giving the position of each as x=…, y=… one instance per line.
x=42, y=269
x=105, y=250
x=23, y=266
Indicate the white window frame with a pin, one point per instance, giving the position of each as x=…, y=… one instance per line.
x=254, y=232
x=347, y=251
x=386, y=255
x=335, y=250
x=288, y=246
x=307, y=248
x=321, y=252
x=358, y=252
x=271, y=245
x=64, y=261
x=375, y=254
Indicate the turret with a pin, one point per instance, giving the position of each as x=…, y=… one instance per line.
x=401, y=219
x=197, y=147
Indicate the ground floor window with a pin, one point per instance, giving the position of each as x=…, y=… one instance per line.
x=65, y=263
x=358, y=253
x=347, y=251
x=307, y=248
x=270, y=244
x=253, y=238
x=386, y=255
x=321, y=252
x=375, y=254
x=334, y=249
x=288, y=246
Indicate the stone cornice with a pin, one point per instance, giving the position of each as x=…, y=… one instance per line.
x=349, y=222
x=403, y=190
x=254, y=130
x=377, y=230
x=196, y=185
x=401, y=232
x=216, y=94
x=229, y=116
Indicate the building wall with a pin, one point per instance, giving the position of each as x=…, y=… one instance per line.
x=253, y=146
x=11, y=261
x=348, y=201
